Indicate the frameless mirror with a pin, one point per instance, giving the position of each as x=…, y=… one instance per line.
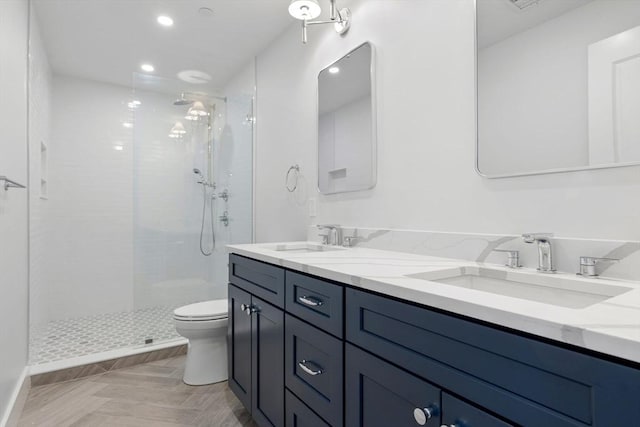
x=346, y=123
x=558, y=85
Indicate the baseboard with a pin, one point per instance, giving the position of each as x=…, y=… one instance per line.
x=17, y=401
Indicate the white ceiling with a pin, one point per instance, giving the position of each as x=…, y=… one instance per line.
x=499, y=19
x=107, y=40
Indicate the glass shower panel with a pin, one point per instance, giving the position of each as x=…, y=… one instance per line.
x=192, y=195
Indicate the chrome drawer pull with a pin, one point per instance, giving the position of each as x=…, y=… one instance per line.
x=308, y=370
x=310, y=301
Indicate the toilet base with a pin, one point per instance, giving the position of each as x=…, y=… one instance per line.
x=206, y=361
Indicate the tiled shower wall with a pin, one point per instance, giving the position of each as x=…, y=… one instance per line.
x=40, y=83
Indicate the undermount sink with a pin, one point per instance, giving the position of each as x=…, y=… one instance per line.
x=302, y=247
x=546, y=288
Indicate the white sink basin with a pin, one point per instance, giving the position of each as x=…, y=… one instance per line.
x=301, y=247
x=558, y=290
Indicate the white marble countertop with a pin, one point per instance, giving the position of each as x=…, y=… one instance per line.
x=611, y=326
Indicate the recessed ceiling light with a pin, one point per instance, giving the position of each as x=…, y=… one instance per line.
x=165, y=21
x=334, y=70
x=147, y=67
x=118, y=147
x=127, y=125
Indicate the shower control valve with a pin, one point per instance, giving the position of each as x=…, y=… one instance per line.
x=224, y=195
x=224, y=218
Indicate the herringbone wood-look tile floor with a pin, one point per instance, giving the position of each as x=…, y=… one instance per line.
x=151, y=394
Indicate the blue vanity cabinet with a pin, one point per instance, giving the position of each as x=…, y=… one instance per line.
x=255, y=339
x=524, y=380
x=317, y=353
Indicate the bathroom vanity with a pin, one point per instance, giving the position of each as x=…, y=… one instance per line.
x=325, y=336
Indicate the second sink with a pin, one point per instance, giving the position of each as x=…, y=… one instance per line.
x=555, y=290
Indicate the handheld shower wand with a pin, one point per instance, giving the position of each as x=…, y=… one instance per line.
x=205, y=184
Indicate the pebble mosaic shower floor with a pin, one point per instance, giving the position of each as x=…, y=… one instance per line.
x=65, y=339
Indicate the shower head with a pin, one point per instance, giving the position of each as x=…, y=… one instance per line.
x=197, y=171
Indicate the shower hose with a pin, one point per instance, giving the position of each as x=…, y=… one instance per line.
x=204, y=215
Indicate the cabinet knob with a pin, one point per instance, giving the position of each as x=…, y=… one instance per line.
x=249, y=309
x=422, y=415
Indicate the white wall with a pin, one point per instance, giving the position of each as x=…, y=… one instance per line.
x=13, y=203
x=533, y=91
x=426, y=177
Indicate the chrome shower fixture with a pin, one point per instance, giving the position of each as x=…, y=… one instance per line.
x=307, y=10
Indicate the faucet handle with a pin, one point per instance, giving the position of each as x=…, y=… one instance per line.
x=532, y=237
x=588, y=265
x=513, y=257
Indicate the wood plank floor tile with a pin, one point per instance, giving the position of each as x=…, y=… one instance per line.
x=151, y=394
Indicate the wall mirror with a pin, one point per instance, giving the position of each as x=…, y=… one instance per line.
x=347, y=123
x=558, y=85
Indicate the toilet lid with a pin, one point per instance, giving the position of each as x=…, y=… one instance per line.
x=207, y=310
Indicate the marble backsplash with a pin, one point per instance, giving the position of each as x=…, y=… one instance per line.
x=480, y=248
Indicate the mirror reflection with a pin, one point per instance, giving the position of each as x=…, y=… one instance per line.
x=558, y=85
x=346, y=124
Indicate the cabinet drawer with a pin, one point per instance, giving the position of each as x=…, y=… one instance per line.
x=299, y=414
x=518, y=377
x=258, y=278
x=314, y=368
x=316, y=301
x=379, y=394
x=458, y=413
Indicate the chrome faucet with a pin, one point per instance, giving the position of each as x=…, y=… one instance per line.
x=588, y=265
x=333, y=236
x=545, y=254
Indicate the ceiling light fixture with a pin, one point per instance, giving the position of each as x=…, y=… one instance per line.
x=147, y=67
x=197, y=110
x=306, y=10
x=177, y=131
x=165, y=21
x=334, y=70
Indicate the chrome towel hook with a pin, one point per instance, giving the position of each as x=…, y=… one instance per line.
x=295, y=168
x=8, y=183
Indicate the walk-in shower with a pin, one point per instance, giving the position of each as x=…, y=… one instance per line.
x=145, y=174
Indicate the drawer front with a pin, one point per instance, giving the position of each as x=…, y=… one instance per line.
x=314, y=368
x=258, y=278
x=518, y=377
x=458, y=413
x=316, y=301
x=379, y=394
x=299, y=414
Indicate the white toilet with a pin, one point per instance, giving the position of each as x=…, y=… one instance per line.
x=204, y=324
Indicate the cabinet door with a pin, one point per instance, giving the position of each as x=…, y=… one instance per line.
x=456, y=413
x=239, y=345
x=380, y=395
x=267, y=350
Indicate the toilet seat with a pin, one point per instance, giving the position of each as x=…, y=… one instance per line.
x=202, y=311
